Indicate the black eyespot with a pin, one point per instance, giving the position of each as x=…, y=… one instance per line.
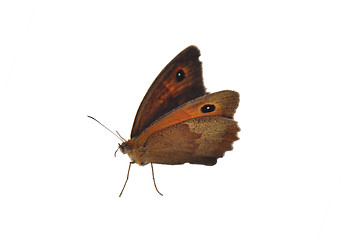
x=180, y=75
x=208, y=108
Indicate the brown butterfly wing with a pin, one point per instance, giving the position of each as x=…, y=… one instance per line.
x=179, y=82
x=200, y=131
x=198, y=141
x=223, y=103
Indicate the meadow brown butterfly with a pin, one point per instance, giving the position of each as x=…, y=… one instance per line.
x=178, y=121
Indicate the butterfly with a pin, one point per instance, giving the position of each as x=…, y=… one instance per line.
x=178, y=122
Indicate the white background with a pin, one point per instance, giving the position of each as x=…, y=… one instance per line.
x=64, y=60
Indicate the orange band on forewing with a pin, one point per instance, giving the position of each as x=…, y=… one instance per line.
x=225, y=103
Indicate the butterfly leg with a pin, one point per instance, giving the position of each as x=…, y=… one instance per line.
x=127, y=178
x=152, y=170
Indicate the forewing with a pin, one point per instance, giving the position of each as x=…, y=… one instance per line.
x=223, y=103
x=179, y=82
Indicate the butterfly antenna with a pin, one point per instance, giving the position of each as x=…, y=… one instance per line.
x=123, y=139
x=115, y=134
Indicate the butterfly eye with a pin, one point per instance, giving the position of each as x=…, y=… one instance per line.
x=180, y=75
x=208, y=108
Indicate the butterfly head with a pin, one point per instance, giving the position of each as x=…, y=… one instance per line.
x=129, y=148
x=124, y=147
